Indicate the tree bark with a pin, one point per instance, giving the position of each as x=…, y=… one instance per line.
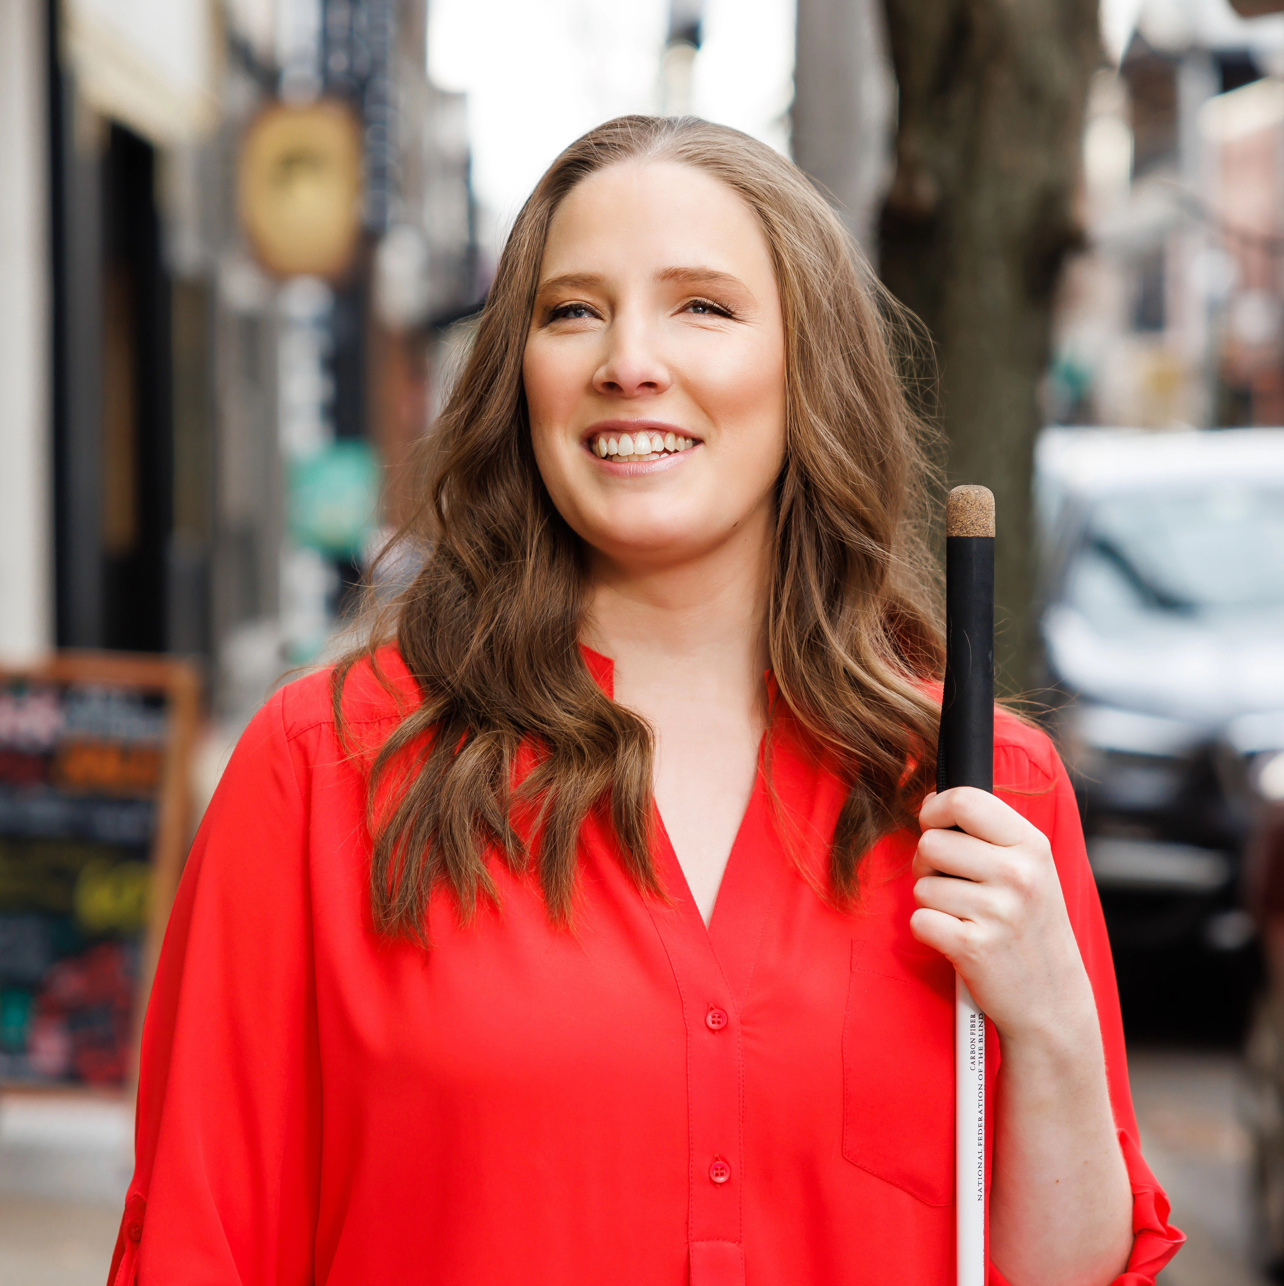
x=974, y=231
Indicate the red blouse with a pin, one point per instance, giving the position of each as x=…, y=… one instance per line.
x=635, y=1100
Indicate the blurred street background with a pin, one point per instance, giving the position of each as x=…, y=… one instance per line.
x=242, y=243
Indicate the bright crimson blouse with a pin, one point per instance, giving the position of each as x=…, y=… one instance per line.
x=637, y=1100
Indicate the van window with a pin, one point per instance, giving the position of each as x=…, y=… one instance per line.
x=1213, y=552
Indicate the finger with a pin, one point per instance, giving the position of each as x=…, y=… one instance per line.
x=941, y=932
x=956, y=853
x=960, y=898
x=978, y=813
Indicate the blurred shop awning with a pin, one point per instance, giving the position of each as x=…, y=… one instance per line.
x=147, y=63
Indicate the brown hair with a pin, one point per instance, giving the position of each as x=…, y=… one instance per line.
x=490, y=627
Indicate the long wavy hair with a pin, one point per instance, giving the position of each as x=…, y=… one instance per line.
x=514, y=744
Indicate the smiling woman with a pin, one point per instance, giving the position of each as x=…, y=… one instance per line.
x=578, y=929
x=671, y=276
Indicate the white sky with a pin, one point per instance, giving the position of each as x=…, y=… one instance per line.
x=539, y=74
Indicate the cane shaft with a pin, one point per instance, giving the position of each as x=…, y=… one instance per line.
x=965, y=757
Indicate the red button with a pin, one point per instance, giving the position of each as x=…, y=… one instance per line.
x=719, y=1171
x=134, y=1232
x=716, y=1019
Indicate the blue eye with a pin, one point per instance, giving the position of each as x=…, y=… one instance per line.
x=571, y=312
x=707, y=308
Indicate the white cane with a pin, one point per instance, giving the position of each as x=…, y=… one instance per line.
x=966, y=758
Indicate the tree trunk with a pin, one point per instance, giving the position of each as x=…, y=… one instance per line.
x=974, y=231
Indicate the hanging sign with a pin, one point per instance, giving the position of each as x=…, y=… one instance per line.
x=300, y=188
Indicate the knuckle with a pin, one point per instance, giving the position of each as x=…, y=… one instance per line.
x=1017, y=873
x=1009, y=911
x=1022, y=881
x=933, y=845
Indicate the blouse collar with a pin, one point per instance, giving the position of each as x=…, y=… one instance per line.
x=602, y=668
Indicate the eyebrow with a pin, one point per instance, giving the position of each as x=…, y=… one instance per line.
x=710, y=276
x=571, y=281
x=683, y=275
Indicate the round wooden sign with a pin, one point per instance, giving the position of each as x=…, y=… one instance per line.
x=300, y=188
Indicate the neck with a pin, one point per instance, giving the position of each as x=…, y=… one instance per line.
x=703, y=618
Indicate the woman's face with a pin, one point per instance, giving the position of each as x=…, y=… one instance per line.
x=655, y=365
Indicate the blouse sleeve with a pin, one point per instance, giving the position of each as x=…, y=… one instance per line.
x=1051, y=806
x=228, y=1125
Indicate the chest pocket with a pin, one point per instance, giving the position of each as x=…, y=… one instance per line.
x=898, y=1070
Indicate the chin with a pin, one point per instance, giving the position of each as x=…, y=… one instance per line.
x=654, y=553
x=646, y=527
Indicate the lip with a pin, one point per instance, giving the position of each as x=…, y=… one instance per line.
x=637, y=468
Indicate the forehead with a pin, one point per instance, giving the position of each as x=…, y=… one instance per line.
x=655, y=214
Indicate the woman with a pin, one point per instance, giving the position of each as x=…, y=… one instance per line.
x=578, y=934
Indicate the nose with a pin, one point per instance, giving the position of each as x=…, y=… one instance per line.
x=632, y=366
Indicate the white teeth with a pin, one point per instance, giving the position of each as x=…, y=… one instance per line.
x=640, y=445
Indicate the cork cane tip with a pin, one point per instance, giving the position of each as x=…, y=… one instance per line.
x=969, y=511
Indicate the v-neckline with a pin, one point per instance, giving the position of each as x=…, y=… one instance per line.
x=746, y=890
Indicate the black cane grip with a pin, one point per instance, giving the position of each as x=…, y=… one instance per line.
x=965, y=756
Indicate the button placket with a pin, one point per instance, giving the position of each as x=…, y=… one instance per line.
x=714, y=1094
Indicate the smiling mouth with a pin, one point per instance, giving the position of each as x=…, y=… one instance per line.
x=633, y=448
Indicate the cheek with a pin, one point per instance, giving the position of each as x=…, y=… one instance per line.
x=555, y=377
x=541, y=384
x=552, y=394
x=745, y=394
x=549, y=399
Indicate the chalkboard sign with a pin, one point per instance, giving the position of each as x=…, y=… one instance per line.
x=95, y=814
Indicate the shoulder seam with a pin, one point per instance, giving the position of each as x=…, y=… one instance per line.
x=285, y=735
x=328, y=721
x=1044, y=770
